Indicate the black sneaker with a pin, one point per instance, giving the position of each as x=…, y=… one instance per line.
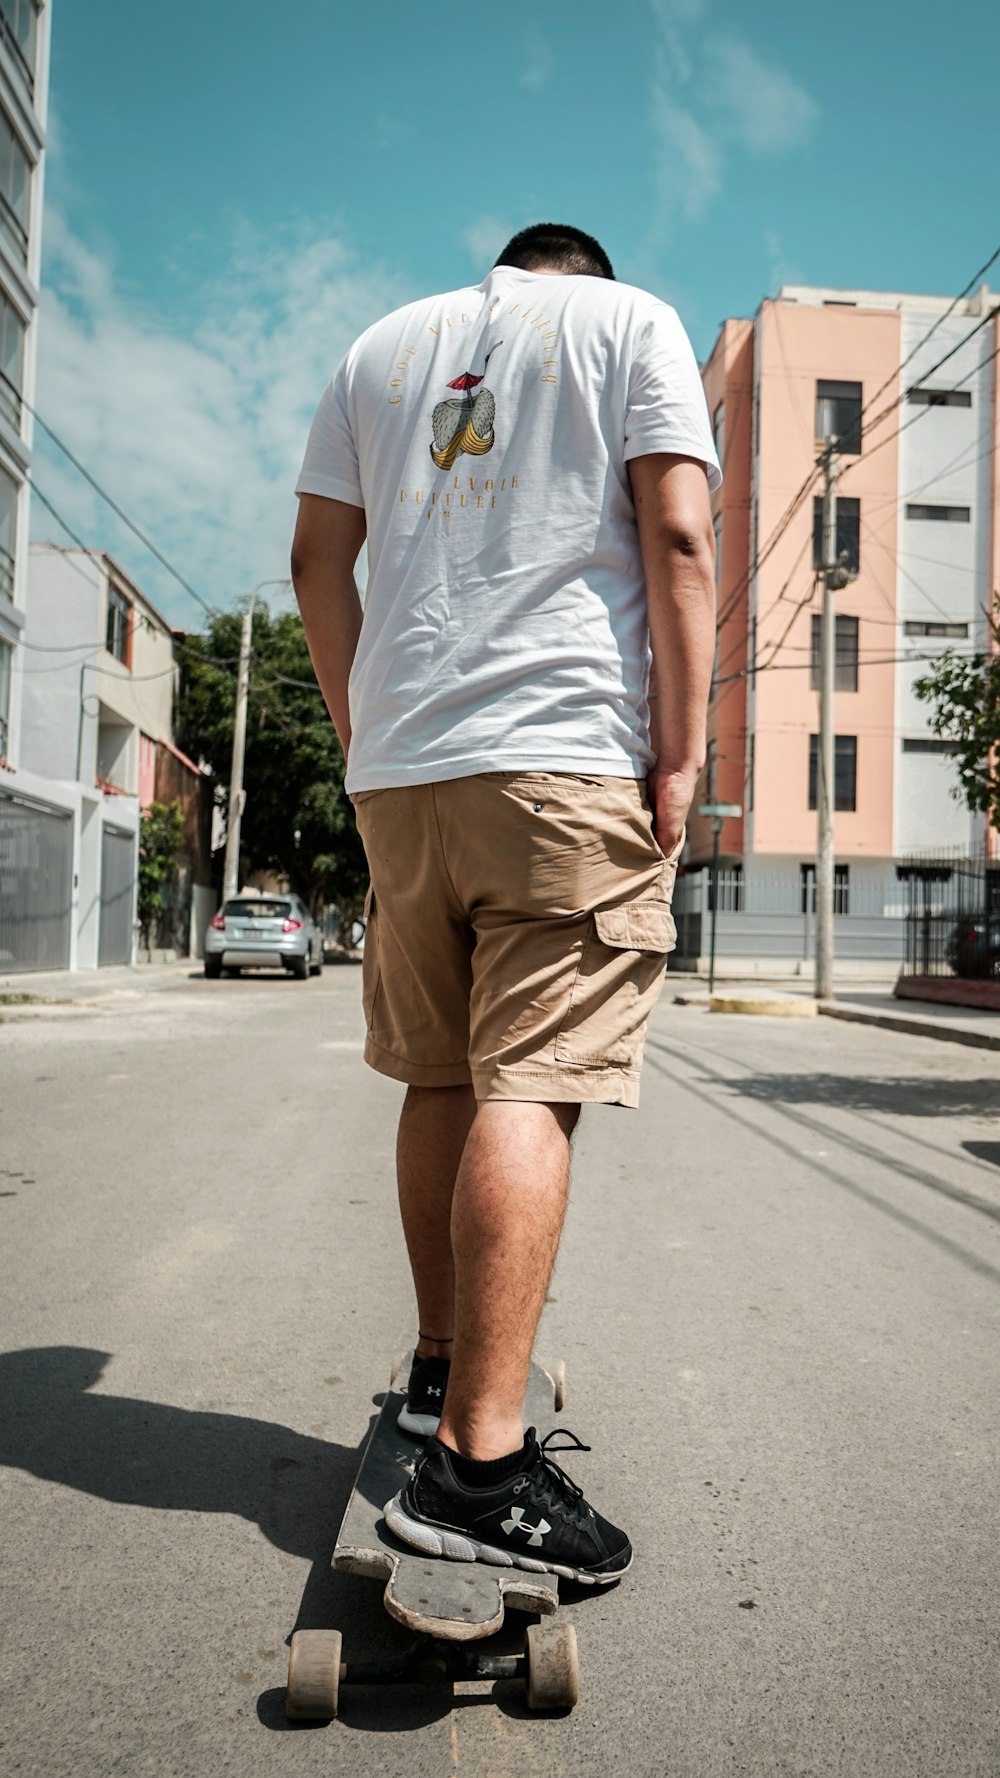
x=424, y=1396
x=536, y=1518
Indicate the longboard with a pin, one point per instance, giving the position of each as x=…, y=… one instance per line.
x=448, y=1604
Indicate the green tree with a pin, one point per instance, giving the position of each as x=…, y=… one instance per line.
x=160, y=829
x=964, y=694
x=297, y=820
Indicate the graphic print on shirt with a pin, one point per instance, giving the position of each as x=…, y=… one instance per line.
x=465, y=425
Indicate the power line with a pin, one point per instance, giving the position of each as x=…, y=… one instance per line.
x=119, y=511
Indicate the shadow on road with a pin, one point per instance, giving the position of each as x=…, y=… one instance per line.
x=907, y=1096
x=984, y=1151
x=293, y=1487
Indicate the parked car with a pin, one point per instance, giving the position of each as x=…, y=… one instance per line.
x=264, y=932
x=973, y=948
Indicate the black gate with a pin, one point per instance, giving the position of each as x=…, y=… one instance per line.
x=117, y=896
x=952, y=917
x=36, y=885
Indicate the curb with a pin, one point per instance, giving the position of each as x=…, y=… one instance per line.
x=982, y=1040
x=756, y=1003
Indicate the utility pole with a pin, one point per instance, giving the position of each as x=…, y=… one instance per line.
x=231, y=878
x=717, y=813
x=237, y=797
x=836, y=573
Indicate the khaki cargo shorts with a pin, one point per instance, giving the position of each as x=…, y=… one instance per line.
x=518, y=924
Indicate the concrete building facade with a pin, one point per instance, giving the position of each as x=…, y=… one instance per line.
x=24, y=79
x=95, y=747
x=918, y=520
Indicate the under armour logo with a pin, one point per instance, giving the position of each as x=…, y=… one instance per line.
x=431, y=1391
x=515, y=1523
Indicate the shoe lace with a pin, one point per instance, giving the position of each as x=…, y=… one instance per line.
x=550, y=1483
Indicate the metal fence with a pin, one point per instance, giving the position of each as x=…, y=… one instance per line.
x=952, y=916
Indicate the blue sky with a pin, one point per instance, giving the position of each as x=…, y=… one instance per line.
x=234, y=191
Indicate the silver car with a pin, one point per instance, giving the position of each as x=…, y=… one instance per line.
x=261, y=932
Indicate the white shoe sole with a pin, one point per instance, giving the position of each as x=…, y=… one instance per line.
x=434, y=1540
x=418, y=1425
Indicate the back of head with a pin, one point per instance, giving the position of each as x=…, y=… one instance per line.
x=557, y=247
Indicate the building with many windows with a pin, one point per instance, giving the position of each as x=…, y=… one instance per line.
x=908, y=387
x=24, y=70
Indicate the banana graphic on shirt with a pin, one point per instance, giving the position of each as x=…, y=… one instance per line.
x=466, y=424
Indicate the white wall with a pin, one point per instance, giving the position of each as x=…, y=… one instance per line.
x=59, y=708
x=945, y=459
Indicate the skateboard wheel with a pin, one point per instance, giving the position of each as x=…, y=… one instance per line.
x=396, y=1366
x=553, y=1667
x=559, y=1384
x=313, y=1675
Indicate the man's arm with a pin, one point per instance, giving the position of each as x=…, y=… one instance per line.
x=674, y=517
x=326, y=546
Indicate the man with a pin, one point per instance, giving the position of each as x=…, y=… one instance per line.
x=531, y=462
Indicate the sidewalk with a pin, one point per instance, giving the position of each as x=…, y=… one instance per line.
x=866, y=1004
x=91, y=987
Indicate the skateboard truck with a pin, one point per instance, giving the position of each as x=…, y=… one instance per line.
x=316, y=1671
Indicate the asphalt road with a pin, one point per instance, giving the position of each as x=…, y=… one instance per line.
x=777, y=1299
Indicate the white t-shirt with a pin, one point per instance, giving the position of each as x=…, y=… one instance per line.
x=486, y=433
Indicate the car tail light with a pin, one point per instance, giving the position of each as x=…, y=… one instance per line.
x=219, y=923
x=291, y=925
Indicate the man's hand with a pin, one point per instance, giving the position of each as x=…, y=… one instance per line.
x=670, y=795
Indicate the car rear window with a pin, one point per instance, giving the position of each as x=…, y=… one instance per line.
x=257, y=910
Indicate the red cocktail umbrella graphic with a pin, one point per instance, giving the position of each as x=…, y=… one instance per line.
x=467, y=380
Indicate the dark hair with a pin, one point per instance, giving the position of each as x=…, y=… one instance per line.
x=559, y=245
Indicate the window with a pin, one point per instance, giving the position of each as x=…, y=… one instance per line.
x=719, y=431
x=845, y=654
x=927, y=744
x=914, y=628
x=955, y=515
x=939, y=397
x=8, y=531
x=838, y=415
x=841, y=889
x=845, y=771
x=119, y=631
x=717, y=530
x=18, y=32
x=11, y=361
x=848, y=531
x=14, y=187
x=5, y=658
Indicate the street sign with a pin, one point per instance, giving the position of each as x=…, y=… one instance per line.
x=720, y=811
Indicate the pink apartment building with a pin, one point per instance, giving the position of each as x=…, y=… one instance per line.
x=918, y=518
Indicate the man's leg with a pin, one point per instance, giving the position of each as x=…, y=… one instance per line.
x=433, y=1129
x=506, y=1220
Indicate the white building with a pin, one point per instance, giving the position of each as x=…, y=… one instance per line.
x=24, y=75
x=95, y=734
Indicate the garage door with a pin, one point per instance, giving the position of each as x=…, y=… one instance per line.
x=36, y=885
x=117, y=896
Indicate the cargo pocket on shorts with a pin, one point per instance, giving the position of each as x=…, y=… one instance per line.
x=370, y=966
x=619, y=977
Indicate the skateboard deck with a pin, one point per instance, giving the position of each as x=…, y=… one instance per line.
x=456, y=1601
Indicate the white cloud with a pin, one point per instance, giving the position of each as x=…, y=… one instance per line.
x=711, y=95
x=196, y=430
x=763, y=107
x=484, y=238
x=538, y=66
